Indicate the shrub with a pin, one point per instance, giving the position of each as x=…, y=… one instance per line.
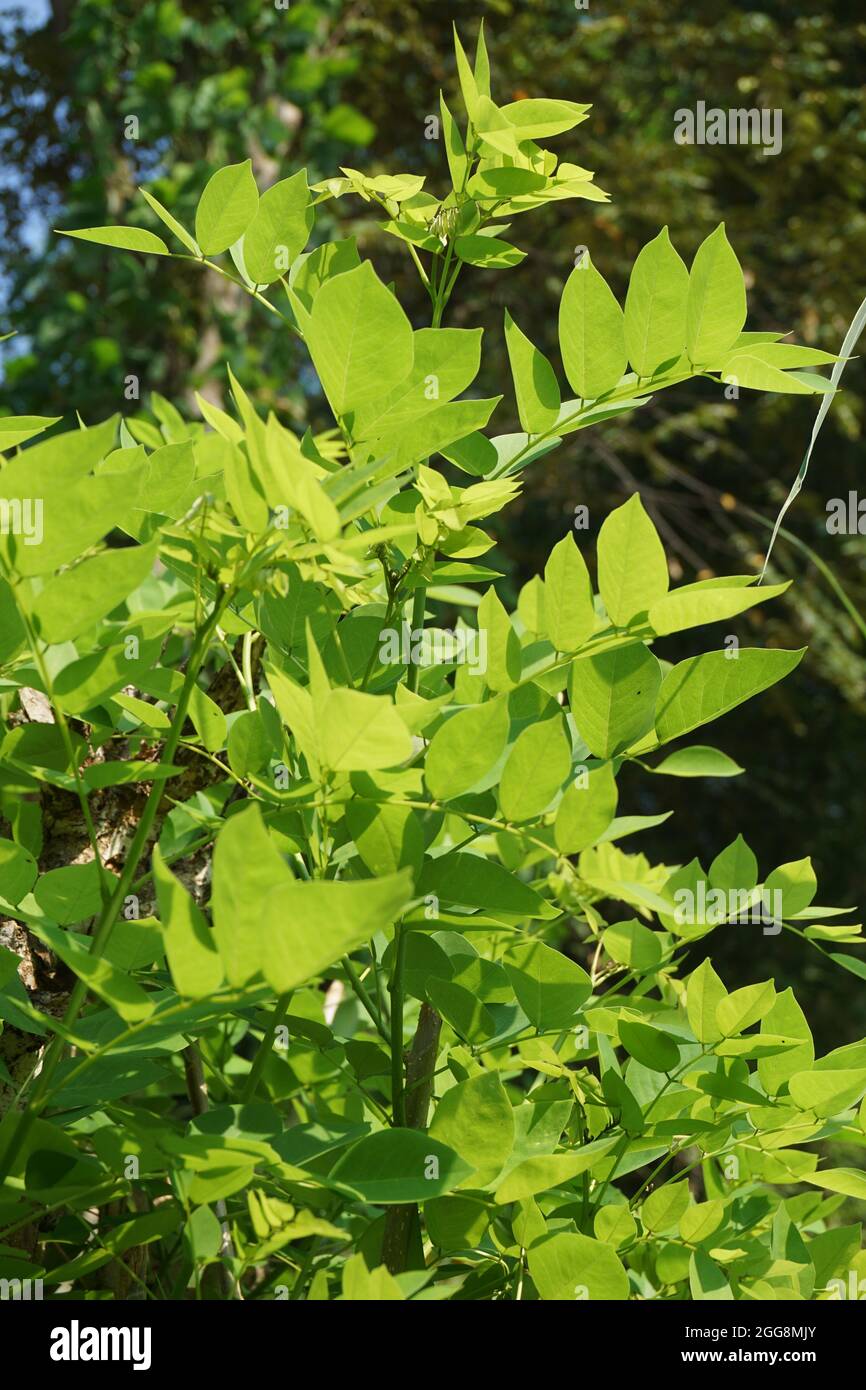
x=331, y=971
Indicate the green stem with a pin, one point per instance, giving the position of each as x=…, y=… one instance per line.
x=419, y=603
x=233, y=279
x=281, y=1008
x=398, y=1099
x=366, y=1001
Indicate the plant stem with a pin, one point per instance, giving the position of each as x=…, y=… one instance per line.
x=196, y=1089
x=398, y=1101
x=401, y=1243
x=419, y=603
x=366, y=1001
x=281, y=1008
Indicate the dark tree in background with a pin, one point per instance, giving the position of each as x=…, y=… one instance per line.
x=102, y=97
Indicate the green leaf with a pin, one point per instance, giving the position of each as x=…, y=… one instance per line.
x=586, y=809
x=851, y=963
x=540, y=118
x=753, y=375
x=469, y=1018
x=476, y=1120
x=632, y=569
x=489, y=252
x=550, y=988
x=797, y=884
x=360, y=339
x=537, y=766
x=17, y=429
x=631, y=944
x=469, y=880
x=535, y=386
x=481, y=70
x=493, y=183
x=569, y=612
x=388, y=837
x=190, y=946
x=445, y=362
x=499, y=663
x=662, y=1209
x=289, y=479
x=280, y=229
x=734, y=868
x=787, y=1019
x=849, y=1181
x=655, y=306
x=171, y=222
x=70, y=894
x=248, y=745
x=543, y=1171
x=398, y=1165
x=704, y=687
x=716, y=308
x=456, y=1223
x=649, y=1046
x=827, y=1093
x=565, y=1267
x=18, y=871
x=698, y=761
x=615, y=1225
x=306, y=927
x=226, y=208
x=313, y=268
x=75, y=516
x=455, y=150
x=742, y=1008
x=706, y=1280
x=123, y=238
x=465, y=749
x=76, y=599
x=91, y=679
x=209, y=720
x=706, y=602
x=247, y=867
x=591, y=335
x=359, y=732
x=107, y=981
x=468, y=85
x=705, y=994
x=783, y=356
x=613, y=696
x=699, y=1222
x=363, y=1285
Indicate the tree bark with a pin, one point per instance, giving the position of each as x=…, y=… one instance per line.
x=401, y=1244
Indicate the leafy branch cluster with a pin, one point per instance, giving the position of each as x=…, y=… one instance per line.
x=372, y=999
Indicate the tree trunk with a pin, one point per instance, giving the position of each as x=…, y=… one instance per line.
x=401, y=1244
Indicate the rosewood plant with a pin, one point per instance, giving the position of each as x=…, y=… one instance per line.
x=330, y=968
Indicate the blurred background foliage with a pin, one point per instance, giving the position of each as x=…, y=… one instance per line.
x=323, y=84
